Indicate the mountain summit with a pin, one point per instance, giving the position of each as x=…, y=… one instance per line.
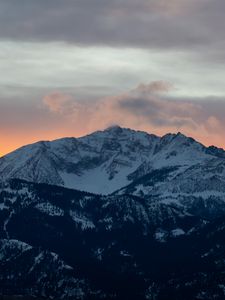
x=106, y=161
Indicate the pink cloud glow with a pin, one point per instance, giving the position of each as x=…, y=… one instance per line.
x=148, y=107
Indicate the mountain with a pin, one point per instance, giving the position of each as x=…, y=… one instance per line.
x=118, y=214
x=106, y=161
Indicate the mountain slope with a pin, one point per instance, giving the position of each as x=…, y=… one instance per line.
x=85, y=246
x=105, y=161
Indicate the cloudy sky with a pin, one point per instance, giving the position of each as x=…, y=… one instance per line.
x=69, y=67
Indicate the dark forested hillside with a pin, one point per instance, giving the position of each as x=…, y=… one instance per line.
x=59, y=243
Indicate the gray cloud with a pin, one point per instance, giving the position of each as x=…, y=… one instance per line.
x=156, y=23
x=159, y=110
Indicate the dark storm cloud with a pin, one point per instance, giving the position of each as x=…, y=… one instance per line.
x=143, y=23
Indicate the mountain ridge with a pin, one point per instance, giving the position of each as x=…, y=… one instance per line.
x=111, y=156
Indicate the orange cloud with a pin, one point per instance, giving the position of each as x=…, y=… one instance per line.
x=57, y=102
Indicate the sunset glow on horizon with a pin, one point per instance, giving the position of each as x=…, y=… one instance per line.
x=12, y=145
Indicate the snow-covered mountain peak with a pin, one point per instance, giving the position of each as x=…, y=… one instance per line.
x=115, y=129
x=178, y=138
x=117, y=132
x=104, y=161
